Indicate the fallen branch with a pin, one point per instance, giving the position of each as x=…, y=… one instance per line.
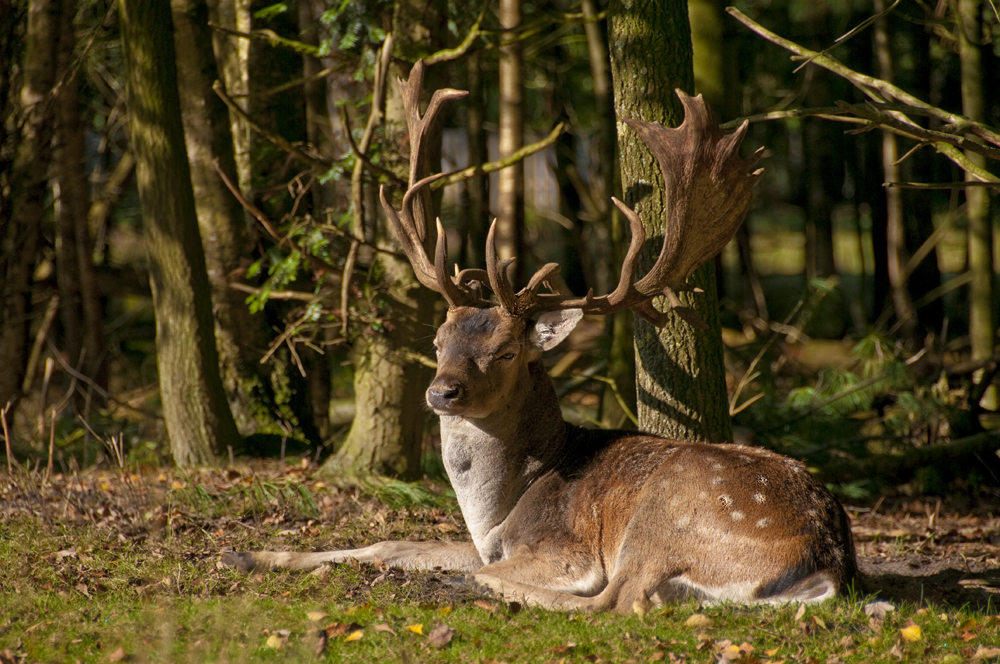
x=898, y=468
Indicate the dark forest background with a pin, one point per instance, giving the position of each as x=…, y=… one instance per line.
x=859, y=319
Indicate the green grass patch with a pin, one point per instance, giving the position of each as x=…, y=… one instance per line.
x=106, y=568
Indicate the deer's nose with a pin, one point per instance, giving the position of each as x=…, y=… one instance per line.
x=442, y=393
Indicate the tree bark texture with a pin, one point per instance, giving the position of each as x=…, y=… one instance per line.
x=681, y=376
x=19, y=232
x=197, y=417
x=241, y=337
x=510, y=185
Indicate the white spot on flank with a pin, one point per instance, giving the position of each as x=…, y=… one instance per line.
x=726, y=500
x=759, y=498
x=716, y=481
x=763, y=523
x=761, y=480
x=717, y=466
x=737, y=515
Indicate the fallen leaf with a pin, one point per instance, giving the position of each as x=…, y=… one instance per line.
x=416, y=629
x=321, y=641
x=485, y=606
x=446, y=527
x=967, y=636
x=562, y=649
x=699, y=620
x=896, y=651
x=117, y=655
x=83, y=590
x=801, y=612
x=440, y=636
x=316, y=616
x=911, y=632
x=445, y=611
x=878, y=609
x=276, y=641
x=384, y=627
x=354, y=636
x=819, y=622
x=772, y=652
x=983, y=652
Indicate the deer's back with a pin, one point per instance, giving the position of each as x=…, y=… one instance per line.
x=719, y=514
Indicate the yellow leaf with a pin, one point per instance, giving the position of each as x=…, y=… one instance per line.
x=444, y=611
x=316, y=615
x=699, y=620
x=911, y=633
x=276, y=641
x=771, y=653
x=175, y=484
x=354, y=636
x=416, y=629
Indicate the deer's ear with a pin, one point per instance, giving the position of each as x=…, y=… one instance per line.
x=553, y=326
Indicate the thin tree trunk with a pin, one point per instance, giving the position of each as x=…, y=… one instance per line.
x=681, y=376
x=233, y=55
x=19, y=233
x=982, y=323
x=895, y=230
x=195, y=411
x=79, y=301
x=510, y=185
x=620, y=352
x=476, y=199
x=241, y=337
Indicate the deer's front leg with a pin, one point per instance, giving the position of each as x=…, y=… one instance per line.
x=553, y=579
x=455, y=556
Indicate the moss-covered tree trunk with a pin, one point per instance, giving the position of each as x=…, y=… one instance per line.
x=21, y=221
x=680, y=373
x=241, y=338
x=195, y=411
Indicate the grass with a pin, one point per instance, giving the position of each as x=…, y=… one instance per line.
x=111, y=566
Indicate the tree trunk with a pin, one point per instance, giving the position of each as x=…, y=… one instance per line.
x=79, y=299
x=233, y=56
x=19, y=232
x=195, y=411
x=241, y=338
x=476, y=198
x=681, y=376
x=982, y=323
x=510, y=185
x=895, y=229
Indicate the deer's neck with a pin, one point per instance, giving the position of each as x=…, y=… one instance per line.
x=491, y=461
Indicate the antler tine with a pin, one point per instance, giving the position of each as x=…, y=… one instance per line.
x=452, y=292
x=709, y=189
x=496, y=269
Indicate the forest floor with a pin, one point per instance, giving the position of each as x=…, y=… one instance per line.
x=112, y=565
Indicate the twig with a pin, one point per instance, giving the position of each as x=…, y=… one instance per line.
x=316, y=261
x=273, y=38
x=446, y=55
x=941, y=185
x=36, y=348
x=301, y=296
x=278, y=140
x=6, y=436
x=879, y=90
x=853, y=31
x=528, y=150
x=826, y=112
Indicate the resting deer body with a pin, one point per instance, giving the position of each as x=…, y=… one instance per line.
x=571, y=518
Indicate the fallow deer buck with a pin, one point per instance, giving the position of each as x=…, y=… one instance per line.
x=569, y=518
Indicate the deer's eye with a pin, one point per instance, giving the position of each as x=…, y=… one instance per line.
x=507, y=356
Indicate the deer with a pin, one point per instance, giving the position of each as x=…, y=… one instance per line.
x=568, y=518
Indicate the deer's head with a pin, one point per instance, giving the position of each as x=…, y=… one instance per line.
x=487, y=343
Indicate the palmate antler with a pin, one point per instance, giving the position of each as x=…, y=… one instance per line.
x=709, y=188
